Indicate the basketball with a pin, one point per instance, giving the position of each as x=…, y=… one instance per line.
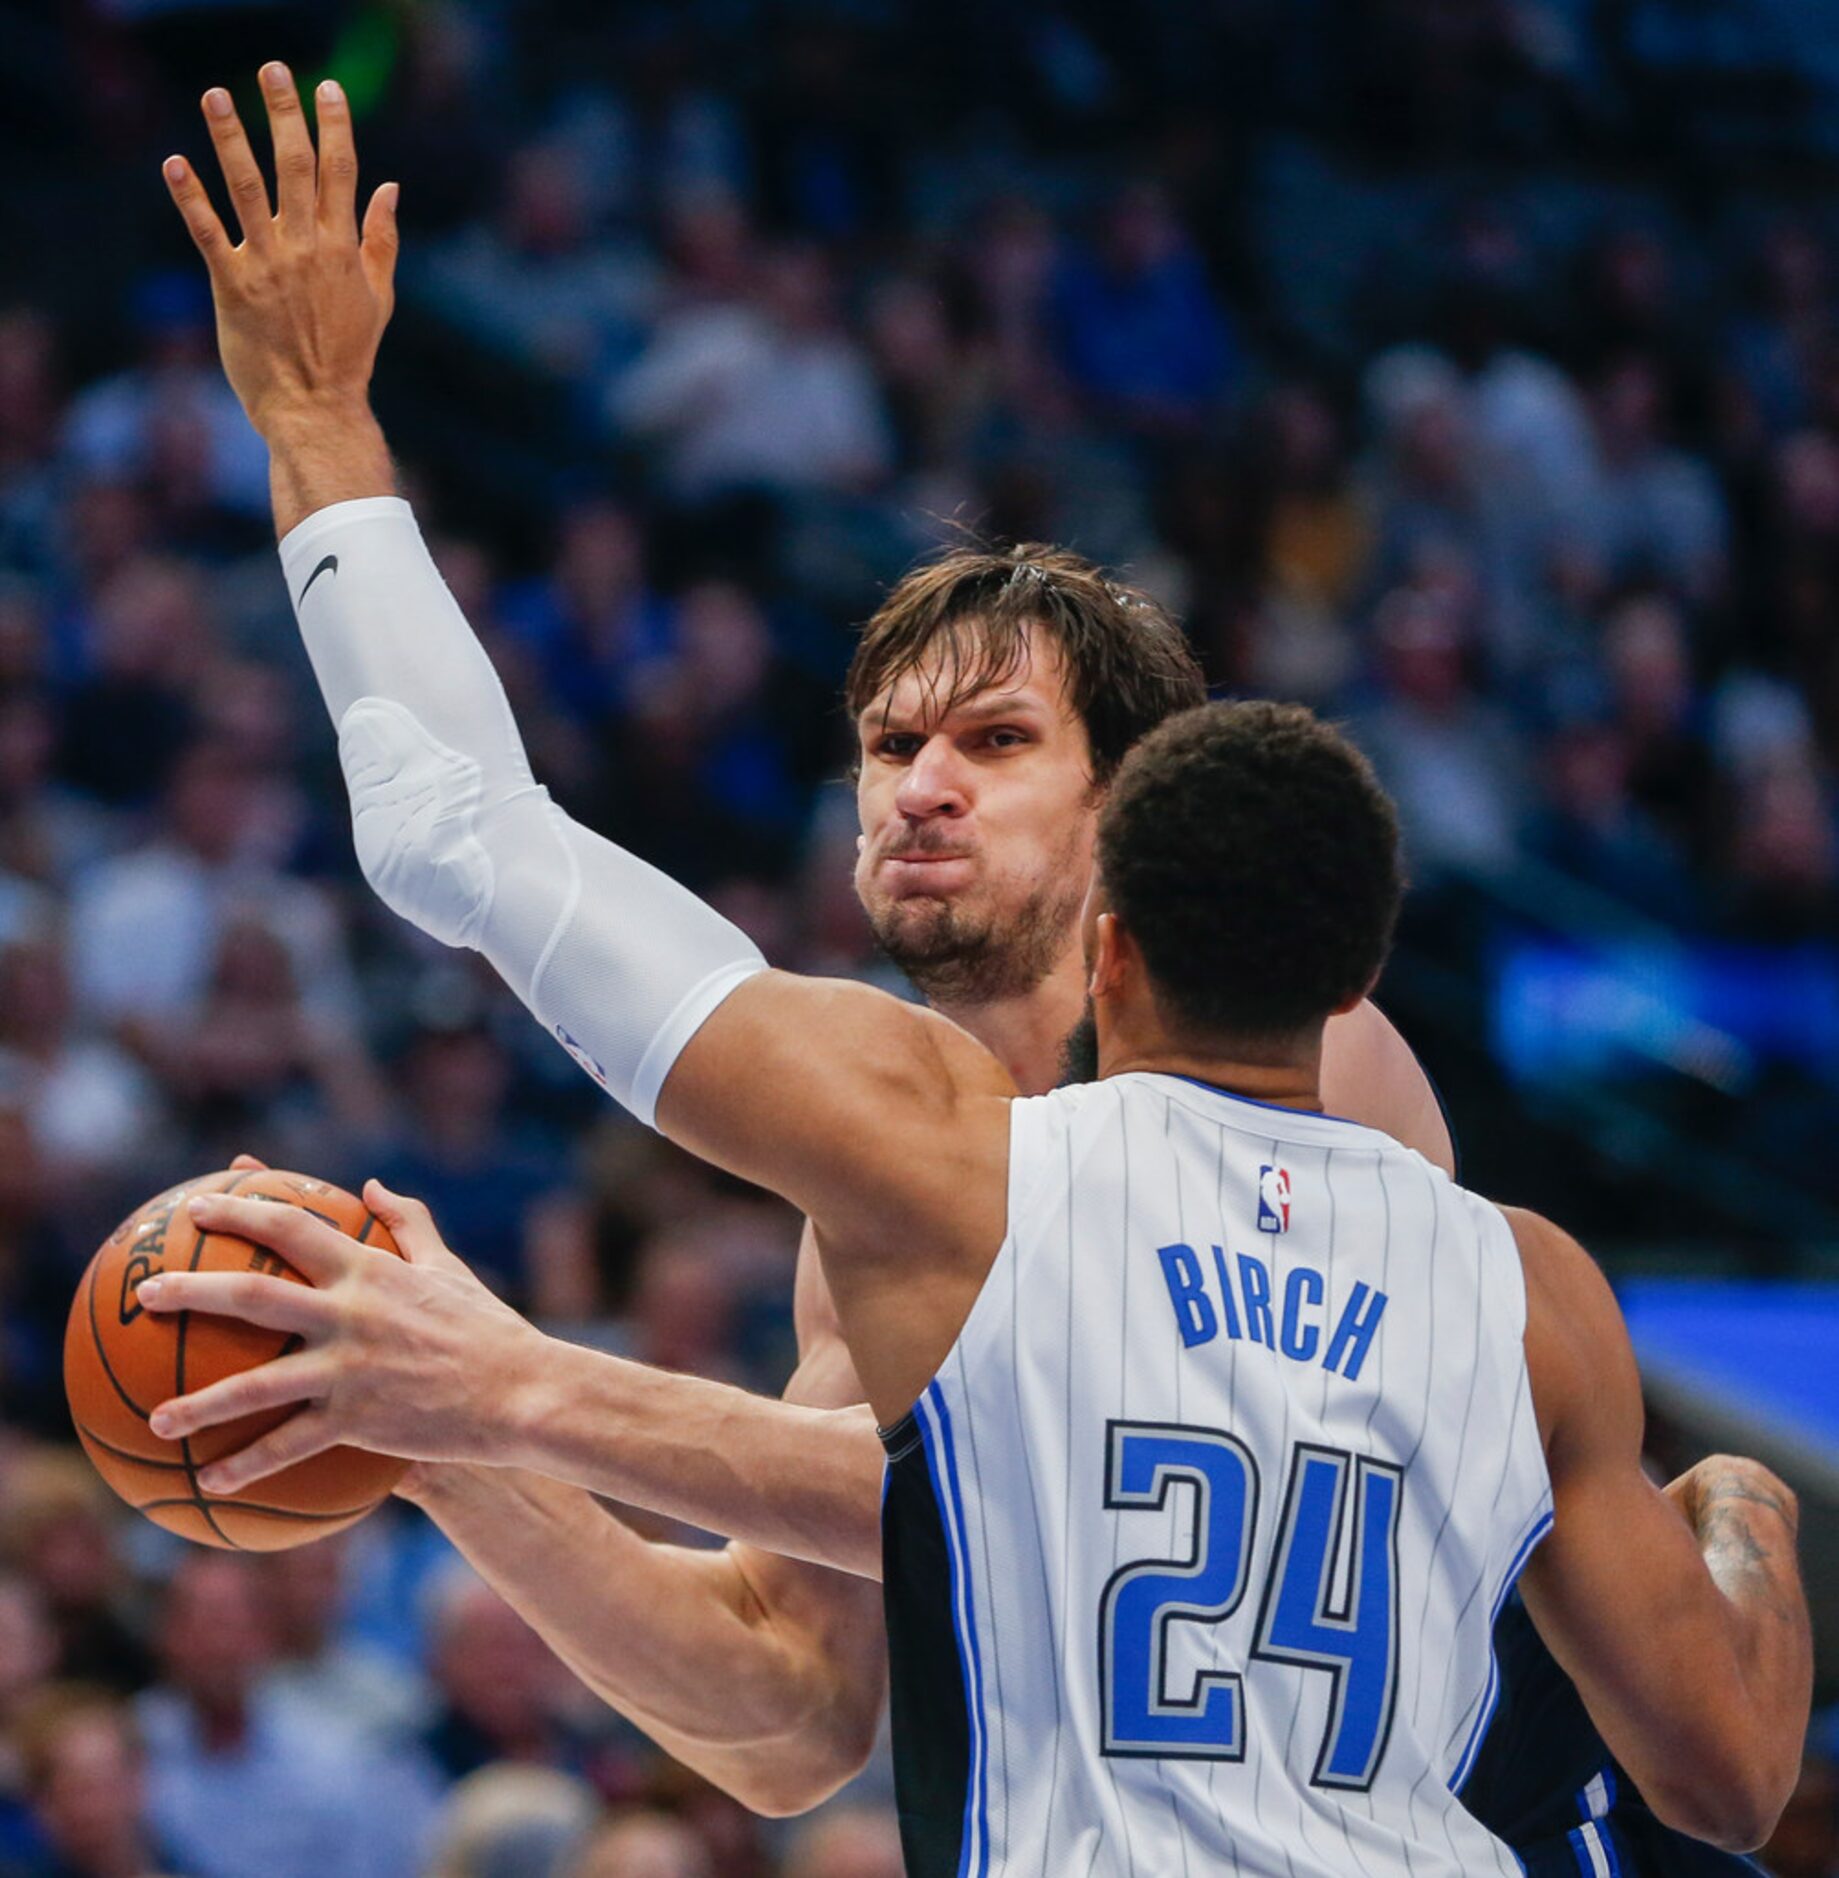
x=121, y=1362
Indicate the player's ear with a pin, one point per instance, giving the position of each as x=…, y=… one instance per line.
x=1110, y=953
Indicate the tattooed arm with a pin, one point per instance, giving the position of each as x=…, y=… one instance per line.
x=1687, y=1637
x=1745, y=1520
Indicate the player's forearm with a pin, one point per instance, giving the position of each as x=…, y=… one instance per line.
x=617, y=962
x=679, y=1641
x=322, y=453
x=1746, y=1521
x=802, y=1482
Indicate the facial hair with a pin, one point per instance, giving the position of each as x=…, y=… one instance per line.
x=955, y=959
x=1079, y=1053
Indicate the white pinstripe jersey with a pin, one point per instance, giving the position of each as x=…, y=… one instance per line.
x=1195, y=1544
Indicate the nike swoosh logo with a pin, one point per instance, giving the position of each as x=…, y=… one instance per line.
x=329, y=563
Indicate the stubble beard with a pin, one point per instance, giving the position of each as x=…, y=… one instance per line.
x=955, y=957
x=1079, y=1053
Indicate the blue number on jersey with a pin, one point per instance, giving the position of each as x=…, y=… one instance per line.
x=1301, y=1624
x=1357, y=1642
x=1144, y=1461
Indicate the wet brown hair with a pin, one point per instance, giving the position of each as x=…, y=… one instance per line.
x=1128, y=665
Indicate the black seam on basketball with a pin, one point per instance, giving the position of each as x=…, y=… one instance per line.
x=126, y=1454
x=95, y=1337
x=370, y=1220
x=251, y=1506
x=185, y=1447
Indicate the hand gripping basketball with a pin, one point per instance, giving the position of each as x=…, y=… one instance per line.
x=412, y=1356
x=121, y=1360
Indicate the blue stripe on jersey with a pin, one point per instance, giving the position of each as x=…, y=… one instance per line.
x=951, y=1504
x=1594, y=1849
x=1280, y=1108
x=1493, y=1691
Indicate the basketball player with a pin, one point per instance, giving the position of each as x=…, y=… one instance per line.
x=283, y=470
x=765, y=1672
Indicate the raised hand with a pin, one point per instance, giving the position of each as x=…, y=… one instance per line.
x=303, y=298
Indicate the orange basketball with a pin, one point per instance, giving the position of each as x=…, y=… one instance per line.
x=121, y=1362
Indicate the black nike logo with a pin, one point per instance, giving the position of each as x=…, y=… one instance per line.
x=331, y=561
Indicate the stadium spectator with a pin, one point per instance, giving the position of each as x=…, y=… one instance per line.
x=772, y=394
x=846, y=1842
x=143, y=643
x=643, y=1845
x=85, y=1775
x=501, y=1695
x=462, y=1152
x=540, y=286
x=1140, y=329
x=592, y=617
x=171, y=409
x=241, y=1784
x=1447, y=753
x=357, y=1690
x=503, y=1821
x=56, y=1531
x=93, y=1111
x=1655, y=511
x=146, y=925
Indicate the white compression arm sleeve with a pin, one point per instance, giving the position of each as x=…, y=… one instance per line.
x=617, y=961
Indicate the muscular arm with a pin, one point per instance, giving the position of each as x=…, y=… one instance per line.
x=763, y=1674
x=799, y=1477
x=790, y=1477
x=1370, y=1075
x=1696, y=1667
x=632, y=974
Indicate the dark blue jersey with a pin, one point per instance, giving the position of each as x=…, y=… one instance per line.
x=1546, y=1783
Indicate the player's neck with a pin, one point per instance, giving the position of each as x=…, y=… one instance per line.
x=1025, y=1033
x=1286, y=1072
x=1283, y=1085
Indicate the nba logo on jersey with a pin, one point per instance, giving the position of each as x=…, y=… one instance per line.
x=581, y=1056
x=1273, y=1199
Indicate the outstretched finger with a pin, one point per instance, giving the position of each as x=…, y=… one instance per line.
x=298, y=1438
x=295, y=166
x=338, y=163
x=315, y=1249
x=242, y=174
x=277, y=1384
x=381, y=243
x=269, y=1303
x=201, y=221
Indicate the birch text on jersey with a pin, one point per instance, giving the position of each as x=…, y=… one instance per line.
x=1243, y=1303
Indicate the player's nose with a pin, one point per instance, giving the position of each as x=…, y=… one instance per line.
x=935, y=782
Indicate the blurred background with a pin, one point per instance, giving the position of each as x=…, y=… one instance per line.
x=1468, y=369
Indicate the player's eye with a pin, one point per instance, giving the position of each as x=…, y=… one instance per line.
x=1006, y=737
x=898, y=746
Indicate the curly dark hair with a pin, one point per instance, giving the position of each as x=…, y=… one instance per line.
x=1128, y=665
x=1253, y=856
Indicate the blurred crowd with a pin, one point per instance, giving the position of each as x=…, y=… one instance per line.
x=1391, y=372
x=360, y=1706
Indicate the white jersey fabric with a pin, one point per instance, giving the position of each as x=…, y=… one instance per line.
x=1196, y=1543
